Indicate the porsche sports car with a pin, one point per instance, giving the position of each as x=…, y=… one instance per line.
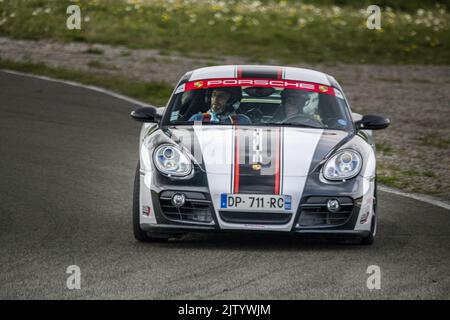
x=256, y=148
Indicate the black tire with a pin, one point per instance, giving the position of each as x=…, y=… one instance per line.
x=140, y=234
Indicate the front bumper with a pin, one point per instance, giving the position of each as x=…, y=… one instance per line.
x=311, y=217
x=177, y=229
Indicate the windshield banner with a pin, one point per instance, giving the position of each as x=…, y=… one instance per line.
x=241, y=82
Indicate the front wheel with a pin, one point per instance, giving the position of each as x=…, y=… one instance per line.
x=140, y=234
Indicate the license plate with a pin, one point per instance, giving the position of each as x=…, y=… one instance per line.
x=255, y=202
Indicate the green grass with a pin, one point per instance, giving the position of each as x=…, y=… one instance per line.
x=287, y=31
x=405, y=5
x=435, y=140
x=391, y=80
x=388, y=180
x=156, y=93
x=125, y=53
x=409, y=179
x=384, y=148
x=100, y=65
x=94, y=51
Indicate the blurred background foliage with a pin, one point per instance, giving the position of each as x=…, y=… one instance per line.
x=265, y=30
x=403, y=5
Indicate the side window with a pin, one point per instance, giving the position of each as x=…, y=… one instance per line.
x=185, y=104
x=332, y=110
x=175, y=107
x=186, y=97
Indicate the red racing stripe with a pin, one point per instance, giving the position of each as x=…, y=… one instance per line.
x=280, y=74
x=239, y=72
x=236, y=162
x=277, y=161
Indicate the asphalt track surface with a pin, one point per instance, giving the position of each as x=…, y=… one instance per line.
x=67, y=160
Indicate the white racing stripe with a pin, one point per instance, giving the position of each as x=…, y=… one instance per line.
x=216, y=142
x=415, y=196
x=213, y=72
x=308, y=75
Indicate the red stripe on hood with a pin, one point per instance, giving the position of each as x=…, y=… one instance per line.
x=277, y=162
x=236, y=162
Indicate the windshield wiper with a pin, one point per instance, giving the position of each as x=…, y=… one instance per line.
x=178, y=123
x=190, y=123
x=300, y=125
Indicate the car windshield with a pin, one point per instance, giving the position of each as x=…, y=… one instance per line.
x=258, y=102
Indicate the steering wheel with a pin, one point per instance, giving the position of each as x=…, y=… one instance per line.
x=302, y=118
x=244, y=119
x=254, y=114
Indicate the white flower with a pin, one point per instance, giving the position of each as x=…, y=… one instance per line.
x=336, y=10
x=301, y=21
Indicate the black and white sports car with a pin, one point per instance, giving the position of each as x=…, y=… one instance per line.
x=256, y=148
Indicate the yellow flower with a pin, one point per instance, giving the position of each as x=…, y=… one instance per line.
x=165, y=17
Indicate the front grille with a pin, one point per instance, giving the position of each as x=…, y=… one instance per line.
x=314, y=212
x=255, y=217
x=195, y=209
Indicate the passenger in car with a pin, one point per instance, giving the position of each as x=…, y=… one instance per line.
x=292, y=103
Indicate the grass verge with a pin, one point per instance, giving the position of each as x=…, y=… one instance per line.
x=435, y=140
x=417, y=181
x=156, y=93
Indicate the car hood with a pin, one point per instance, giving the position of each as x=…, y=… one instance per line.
x=257, y=154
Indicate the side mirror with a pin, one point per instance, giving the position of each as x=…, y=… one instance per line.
x=371, y=122
x=146, y=114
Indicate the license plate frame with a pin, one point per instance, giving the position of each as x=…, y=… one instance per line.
x=256, y=202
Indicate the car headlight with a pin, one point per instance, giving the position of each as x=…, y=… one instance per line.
x=171, y=161
x=345, y=164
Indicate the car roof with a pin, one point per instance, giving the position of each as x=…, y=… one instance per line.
x=261, y=71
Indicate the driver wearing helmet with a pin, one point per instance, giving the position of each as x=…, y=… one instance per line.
x=292, y=103
x=221, y=110
x=296, y=106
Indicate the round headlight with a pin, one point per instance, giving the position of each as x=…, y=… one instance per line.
x=343, y=165
x=171, y=160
